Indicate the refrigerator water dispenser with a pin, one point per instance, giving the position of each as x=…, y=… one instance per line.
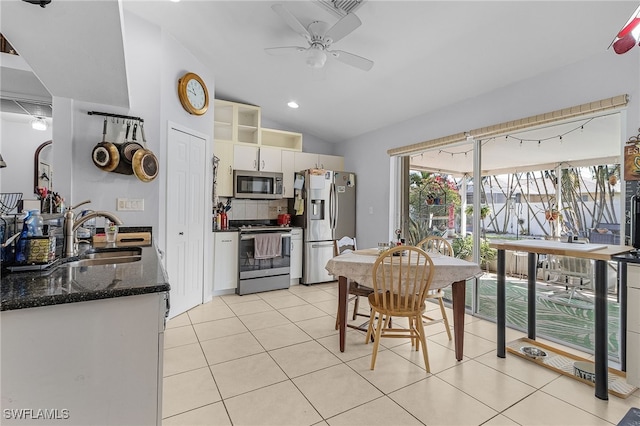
x=317, y=210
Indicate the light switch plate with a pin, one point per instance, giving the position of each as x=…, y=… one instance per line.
x=130, y=204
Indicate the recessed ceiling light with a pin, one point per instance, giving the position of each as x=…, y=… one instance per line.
x=293, y=104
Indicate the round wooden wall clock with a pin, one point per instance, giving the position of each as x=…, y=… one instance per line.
x=193, y=94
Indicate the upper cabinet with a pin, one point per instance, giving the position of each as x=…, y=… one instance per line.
x=270, y=159
x=331, y=162
x=281, y=139
x=241, y=143
x=245, y=157
x=236, y=122
x=224, y=172
x=307, y=160
x=264, y=158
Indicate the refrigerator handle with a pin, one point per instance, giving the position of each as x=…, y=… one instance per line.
x=332, y=197
x=335, y=207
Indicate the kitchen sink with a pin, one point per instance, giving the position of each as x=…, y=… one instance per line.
x=107, y=253
x=107, y=256
x=102, y=261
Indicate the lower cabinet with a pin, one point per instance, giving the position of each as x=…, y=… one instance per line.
x=225, y=262
x=97, y=362
x=633, y=324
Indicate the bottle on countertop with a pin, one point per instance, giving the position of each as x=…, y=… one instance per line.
x=21, y=243
x=224, y=223
x=37, y=223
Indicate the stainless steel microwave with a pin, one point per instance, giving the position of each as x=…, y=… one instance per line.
x=257, y=185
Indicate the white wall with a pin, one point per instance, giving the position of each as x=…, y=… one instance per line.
x=155, y=62
x=602, y=76
x=17, y=146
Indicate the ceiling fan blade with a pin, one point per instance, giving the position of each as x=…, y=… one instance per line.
x=291, y=20
x=351, y=59
x=285, y=50
x=343, y=27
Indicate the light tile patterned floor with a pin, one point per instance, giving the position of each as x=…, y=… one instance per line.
x=273, y=359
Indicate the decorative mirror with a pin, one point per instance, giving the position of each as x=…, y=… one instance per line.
x=42, y=167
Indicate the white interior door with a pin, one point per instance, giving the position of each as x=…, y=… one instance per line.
x=186, y=226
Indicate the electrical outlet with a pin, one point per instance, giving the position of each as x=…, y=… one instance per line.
x=130, y=204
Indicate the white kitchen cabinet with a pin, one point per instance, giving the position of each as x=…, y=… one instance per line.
x=633, y=324
x=288, y=173
x=270, y=159
x=224, y=121
x=225, y=262
x=264, y=159
x=281, y=139
x=245, y=157
x=95, y=362
x=308, y=160
x=234, y=122
x=224, y=179
x=248, y=123
x=305, y=160
x=330, y=162
x=296, y=255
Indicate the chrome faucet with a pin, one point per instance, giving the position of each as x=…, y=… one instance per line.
x=71, y=225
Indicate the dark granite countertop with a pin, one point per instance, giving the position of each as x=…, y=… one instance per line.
x=64, y=284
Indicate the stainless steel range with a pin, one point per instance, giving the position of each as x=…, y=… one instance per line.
x=264, y=258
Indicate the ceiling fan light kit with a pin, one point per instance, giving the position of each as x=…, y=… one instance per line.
x=320, y=36
x=316, y=57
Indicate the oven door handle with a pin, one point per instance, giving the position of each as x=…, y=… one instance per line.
x=252, y=237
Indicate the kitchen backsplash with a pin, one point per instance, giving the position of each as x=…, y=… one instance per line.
x=256, y=209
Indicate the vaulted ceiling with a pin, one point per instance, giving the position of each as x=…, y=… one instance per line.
x=427, y=54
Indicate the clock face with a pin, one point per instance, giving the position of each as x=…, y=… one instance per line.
x=196, y=94
x=193, y=94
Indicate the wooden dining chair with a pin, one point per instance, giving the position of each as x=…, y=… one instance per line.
x=355, y=290
x=436, y=244
x=401, y=278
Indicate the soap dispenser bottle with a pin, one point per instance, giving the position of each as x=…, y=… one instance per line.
x=21, y=244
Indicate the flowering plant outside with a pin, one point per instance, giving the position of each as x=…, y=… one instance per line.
x=440, y=188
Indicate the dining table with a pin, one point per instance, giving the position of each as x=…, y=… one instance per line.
x=448, y=271
x=599, y=253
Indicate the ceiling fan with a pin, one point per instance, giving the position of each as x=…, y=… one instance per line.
x=320, y=37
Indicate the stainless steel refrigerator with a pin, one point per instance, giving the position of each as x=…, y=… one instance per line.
x=329, y=201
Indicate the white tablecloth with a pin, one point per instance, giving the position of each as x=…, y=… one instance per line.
x=358, y=266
